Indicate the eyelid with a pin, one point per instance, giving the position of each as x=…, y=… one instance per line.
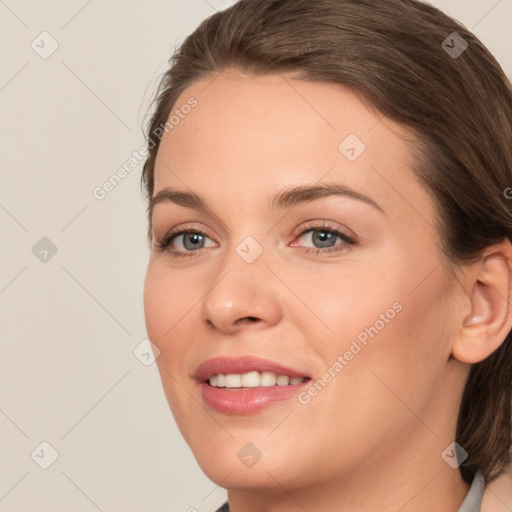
x=333, y=227
x=331, y=251
x=326, y=224
x=179, y=230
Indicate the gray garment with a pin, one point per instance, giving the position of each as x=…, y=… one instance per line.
x=472, y=503
x=473, y=500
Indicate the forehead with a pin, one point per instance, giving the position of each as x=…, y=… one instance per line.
x=264, y=115
x=269, y=132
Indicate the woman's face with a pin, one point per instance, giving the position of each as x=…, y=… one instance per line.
x=345, y=287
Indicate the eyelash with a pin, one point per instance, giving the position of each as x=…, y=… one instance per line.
x=165, y=242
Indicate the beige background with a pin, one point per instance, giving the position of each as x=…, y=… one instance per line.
x=70, y=324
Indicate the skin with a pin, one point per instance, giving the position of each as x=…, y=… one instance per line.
x=498, y=495
x=382, y=423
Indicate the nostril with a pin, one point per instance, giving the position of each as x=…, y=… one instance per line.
x=248, y=319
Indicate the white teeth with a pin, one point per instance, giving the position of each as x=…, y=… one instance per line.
x=253, y=379
x=233, y=380
x=250, y=380
x=283, y=380
x=268, y=379
x=221, y=380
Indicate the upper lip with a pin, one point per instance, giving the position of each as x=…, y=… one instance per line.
x=240, y=365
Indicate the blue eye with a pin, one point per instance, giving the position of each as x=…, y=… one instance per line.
x=189, y=241
x=324, y=240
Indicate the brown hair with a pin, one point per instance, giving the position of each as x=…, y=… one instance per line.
x=459, y=106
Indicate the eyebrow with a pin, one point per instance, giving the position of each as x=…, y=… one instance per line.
x=288, y=198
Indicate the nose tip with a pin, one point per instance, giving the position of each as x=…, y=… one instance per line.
x=243, y=300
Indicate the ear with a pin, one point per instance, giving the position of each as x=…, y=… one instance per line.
x=489, y=321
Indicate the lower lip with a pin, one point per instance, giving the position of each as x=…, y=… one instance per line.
x=247, y=400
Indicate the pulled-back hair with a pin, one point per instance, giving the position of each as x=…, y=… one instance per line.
x=402, y=57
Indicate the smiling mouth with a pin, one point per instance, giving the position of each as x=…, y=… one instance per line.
x=253, y=379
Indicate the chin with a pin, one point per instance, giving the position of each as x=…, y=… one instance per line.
x=235, y=463
x=235, y=476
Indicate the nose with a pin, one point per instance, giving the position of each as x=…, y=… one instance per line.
x=242, y=295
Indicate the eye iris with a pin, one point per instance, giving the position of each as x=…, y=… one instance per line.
x=321, y=237
x=195, y=238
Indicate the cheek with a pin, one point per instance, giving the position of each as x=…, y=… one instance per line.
x=168, y=308
x=339, y=304
x=169, y=299
x=388, y=368
x=404, y=361
x=382, y=324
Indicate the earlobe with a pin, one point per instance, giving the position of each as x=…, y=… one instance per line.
x=484, y=329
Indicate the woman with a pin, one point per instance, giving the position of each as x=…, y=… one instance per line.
x=330, y=278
